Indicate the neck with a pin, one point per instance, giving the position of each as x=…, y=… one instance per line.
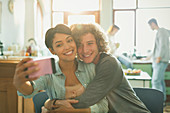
x=156, y=27
x=96, y=60
x=68, y=66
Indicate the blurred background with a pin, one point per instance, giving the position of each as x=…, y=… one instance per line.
x=22, y=20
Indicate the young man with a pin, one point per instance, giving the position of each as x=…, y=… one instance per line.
x=109, y=80
x=160, y=56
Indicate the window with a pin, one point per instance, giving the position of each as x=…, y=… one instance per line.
x=125, y=36
x=73, y=19
x=153, y=3
x=124, y=4
x=144, y=33
x=85, y=11
x=136, y=16
x=58, y=18
x=75, y=5
x=124, y=17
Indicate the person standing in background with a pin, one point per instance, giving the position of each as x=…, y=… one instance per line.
x=113, y=29
x=160, y=56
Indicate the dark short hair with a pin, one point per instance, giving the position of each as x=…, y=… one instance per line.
x=115, y=26
x=79, y=30
x=112, y=27
x=153, y=20
x=59, y=28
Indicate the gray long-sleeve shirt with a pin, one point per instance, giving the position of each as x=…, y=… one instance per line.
x=161, y=48
x=111, y=82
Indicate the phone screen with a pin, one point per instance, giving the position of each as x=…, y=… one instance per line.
x=47, y=66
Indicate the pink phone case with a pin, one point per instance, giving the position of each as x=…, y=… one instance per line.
x=47, y=66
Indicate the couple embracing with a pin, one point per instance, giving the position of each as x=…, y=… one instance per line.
x=87, y=79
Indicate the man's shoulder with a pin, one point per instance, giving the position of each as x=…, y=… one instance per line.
x=162, y=31
x=108, y=60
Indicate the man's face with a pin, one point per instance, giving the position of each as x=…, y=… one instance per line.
x=152, y=25
x=88, y=50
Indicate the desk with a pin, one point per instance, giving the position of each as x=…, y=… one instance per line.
x=143, y=80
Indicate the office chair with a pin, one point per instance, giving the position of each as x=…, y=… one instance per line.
x=152, y=98
x=39, y=100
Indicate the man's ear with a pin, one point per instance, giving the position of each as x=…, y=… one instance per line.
x=52, y=51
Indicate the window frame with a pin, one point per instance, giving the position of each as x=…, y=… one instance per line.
x=135, y=17
x=114, y=10
x=67, y=14
x=96, y=13
x=41, y=13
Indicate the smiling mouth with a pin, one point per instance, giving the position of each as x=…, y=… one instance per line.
x=86, y=56
x=69, y=53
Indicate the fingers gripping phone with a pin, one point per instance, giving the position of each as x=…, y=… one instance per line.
x=47, y=66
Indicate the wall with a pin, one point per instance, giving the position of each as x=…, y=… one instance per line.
x=19, y=26
x=106, y=13
x=12, y=25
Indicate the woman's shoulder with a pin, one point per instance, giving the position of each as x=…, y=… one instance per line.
x=82, y=65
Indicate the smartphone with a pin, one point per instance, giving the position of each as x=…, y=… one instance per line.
x=46, y=65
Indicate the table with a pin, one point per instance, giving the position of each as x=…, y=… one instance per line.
x=142, y=80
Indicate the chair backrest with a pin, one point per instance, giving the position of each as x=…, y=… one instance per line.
x=39, y=100
x=152, y=98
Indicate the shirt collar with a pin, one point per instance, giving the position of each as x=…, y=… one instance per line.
x=58, y=70
x=80, y=67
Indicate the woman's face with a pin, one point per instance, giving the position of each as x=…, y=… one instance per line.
x=64, y=47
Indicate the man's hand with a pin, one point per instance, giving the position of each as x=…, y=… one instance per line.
x=158, y=60
x=145, y=59
x=64, y=106
x=44, y=110
x=117, y=45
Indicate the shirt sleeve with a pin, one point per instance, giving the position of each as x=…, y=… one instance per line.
x=108, y=77
x=169, y=32
x=162, y=44
x=100, y=107
x=39, y=84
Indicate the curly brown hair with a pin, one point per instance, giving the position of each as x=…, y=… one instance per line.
x=79, y=30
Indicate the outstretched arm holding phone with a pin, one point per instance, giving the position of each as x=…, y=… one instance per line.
x=21, y=79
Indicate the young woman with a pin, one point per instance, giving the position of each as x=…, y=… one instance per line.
x=71, y=78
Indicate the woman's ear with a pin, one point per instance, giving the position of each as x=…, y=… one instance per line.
x=52, y=51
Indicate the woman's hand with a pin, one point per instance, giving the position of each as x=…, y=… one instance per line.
x=64, y=104
x=22, y=73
